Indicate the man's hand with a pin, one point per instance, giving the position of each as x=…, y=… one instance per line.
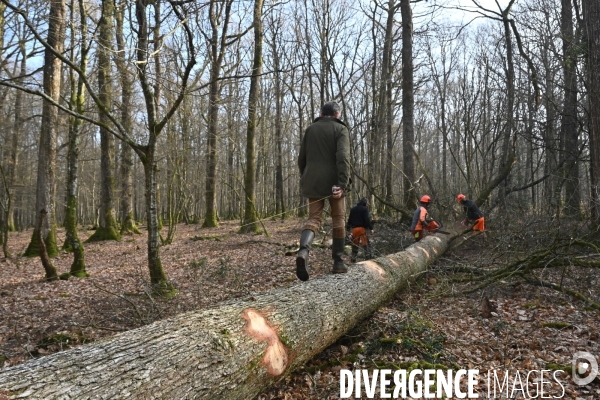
x=337, y=192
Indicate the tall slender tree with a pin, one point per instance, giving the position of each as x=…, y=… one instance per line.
x=45, y=231
x=219, y=15
x=250, y=218
x=127, y=219
x=591, y=20
x=408, y=104
x=569, y=130
x=77, y=104
x=107, y=227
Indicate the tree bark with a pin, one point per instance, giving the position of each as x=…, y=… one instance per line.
x=14, y=145
x=234, y=350
x=250, y=221
x=219, y=15
x=569, y=129
x=107, y=229
x=280, y=208
x=48, y=135
x=385, y=94
x=591, y=18
x=77, y=103
x=128, y=224
x=507, y=157
x=408, y=105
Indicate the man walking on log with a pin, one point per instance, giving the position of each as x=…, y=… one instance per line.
x=324, y=163
x=474, y=215
x=359, y=221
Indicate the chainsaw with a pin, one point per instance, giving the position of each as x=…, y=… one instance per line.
x=436, y=227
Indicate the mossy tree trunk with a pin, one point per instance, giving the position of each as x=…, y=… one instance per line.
x=108, y=228
x=158, y=278
x=48, y=134
x=234, y=350
x=77, y=103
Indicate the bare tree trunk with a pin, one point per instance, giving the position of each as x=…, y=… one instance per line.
x=569, y=129
x=250, y=218
x=551, y=141
x=280, y=207
x=16, y=133
x=46, y=231
x=385, y=94
x=128, y=224
x=408, y=104
x=309, y=52
x=77, y=103
x=231, y=351
x=107, y=229
x=219, y=17
x=507, y=156
x=591, y=18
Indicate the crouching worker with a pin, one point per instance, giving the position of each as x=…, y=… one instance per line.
x=421, y=220
x=359, y=221
x=474, y=215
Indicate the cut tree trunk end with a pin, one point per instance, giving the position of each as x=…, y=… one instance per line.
x=234, y=350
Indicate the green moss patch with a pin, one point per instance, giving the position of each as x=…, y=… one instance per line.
x=60, y=339
x=102, y=234
x=198, y=264
x=558, y=367
x=556, y=325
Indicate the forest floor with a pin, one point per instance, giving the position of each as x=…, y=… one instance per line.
x=510, y=326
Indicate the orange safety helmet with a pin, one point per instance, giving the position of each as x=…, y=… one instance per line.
x=425, y=199
x=460, y=197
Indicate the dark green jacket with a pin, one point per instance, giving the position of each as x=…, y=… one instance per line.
x=324, y=158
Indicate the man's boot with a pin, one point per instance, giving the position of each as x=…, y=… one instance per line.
x=306, y=240
x=368, y=254
x=337, y=250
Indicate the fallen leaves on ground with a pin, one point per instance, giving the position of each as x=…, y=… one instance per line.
x=507, y=327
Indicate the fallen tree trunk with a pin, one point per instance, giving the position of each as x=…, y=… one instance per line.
x=234, y=350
